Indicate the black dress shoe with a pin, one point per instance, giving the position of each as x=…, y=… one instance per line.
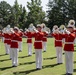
x=59, y=63
x=14, y=66
x=66, y=73
x=69, y=74
x=44, y=51
x=38, y=68
x=6, y=54
x=20, y=51
x=29, y=55
x=10, y=58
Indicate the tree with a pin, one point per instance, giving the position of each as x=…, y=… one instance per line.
x=5, y=12
x=22, y=20
x=71, y=6
x=56, y=12
x=61, y=11
x=18, y=15
x=35, y=15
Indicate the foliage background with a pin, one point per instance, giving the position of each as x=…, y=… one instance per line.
x=59, y=12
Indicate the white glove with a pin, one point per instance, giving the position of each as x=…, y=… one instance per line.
x=3, y=31
x=12, y=31
x=46, y=32
x=54, y=31
x=33, y=27
x=36, y=30
x=27, y=30
x=74, y=28
x=59, y=32
x=68, y=32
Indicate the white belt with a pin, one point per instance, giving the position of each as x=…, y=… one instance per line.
x=59, y=40
x=14, y=41
x=69, y=42
x=29, y=38
x=38, y=41
x=44, y=37
x=7, y=39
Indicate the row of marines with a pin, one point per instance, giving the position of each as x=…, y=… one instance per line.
x=13, y=43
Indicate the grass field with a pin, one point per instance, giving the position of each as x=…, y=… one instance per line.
x=27, y=64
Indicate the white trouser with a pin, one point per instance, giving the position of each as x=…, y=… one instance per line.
x=9, y=49
x=69, y=61
x=63, y=40
x=44, y=46
x=2, y=39
x=75, y=41
x=29, y=48
x=20, y=45
x=10, y=53
x=38, y=53
x=6, y=48
x=59, y=54
x=14, y=56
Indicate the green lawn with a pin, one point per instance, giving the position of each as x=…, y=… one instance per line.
x=27, y=64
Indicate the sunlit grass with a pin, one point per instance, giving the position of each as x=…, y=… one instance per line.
x=27, y=65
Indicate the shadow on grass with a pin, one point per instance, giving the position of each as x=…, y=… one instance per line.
x=74, y=45
x=4, y=68
x=4, y=60
x=24, y=42
x=27, y=63
x=49, y=66
x=63, y=53
x=74, y=62
x=23, y=56
x=74, y=50
x=74, y=70
x=24, y=72
x=33, y=53
x=42, y=52
x=2, y=54
x=49, y=58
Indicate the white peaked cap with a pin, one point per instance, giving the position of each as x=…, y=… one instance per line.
x=39, y=25
x=55, y=26
x=8, y=26
x=62, y=26
x=70, y=23
x=71, y=26
x=21, y=29
x=31, y=25
x=43, y=24
x=16, y=28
